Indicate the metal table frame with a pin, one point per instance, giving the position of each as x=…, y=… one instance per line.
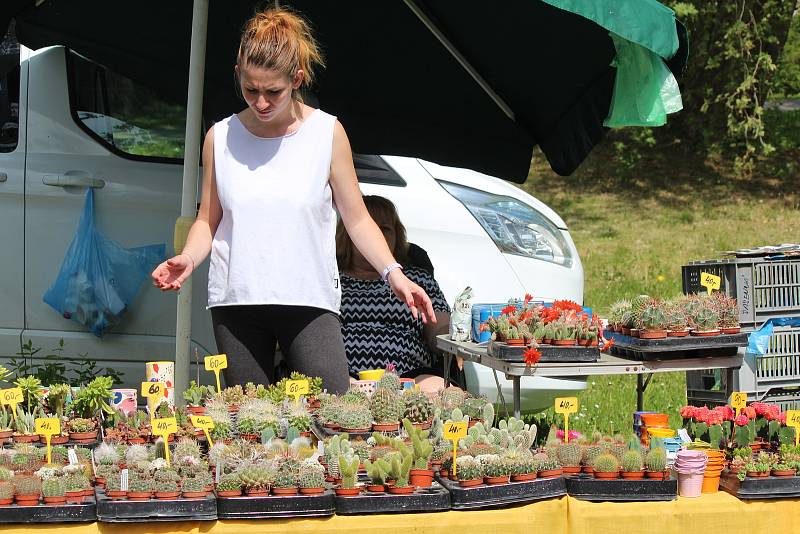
x=606, y=365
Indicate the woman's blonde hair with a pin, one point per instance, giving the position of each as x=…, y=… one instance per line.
x=382, y=211
x=280, y=39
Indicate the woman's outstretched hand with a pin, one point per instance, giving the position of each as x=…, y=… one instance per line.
x=413, y=295
x=173, y=272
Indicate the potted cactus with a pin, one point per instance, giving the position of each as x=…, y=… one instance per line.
x=82, y=430
x=377, y=473
x=348, y=469
x=418, y=408
x=25, y=425
x=632, y=464
x=565, y=332
x=312, y=478
x=495, y=470
x=193, y=488
x=400, y=470
x=357, y=420
x=114, y=489
x=27, y=490
x=421, y=449
x=569, y=456
x=677, y=320
x=387, y=408
x=548, y=467
x=285, y=482
x=523, y=469
x=76, y=485
x=229, y=485
x=705, y=321
x=195, y=395
x=606, y=466
x=655, y=463
x=255, y=479
x=728, y=310
x=468, y=471
x=140, y=489
x=651, y=321
x=6, y=492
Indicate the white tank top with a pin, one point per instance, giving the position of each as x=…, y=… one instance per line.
x=276, y=241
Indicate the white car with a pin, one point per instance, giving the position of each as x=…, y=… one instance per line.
x=79, y=124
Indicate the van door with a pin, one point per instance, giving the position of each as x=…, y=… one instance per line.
x=12, y=165
x=90, y=127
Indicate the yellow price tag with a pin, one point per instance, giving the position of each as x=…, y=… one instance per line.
x=793, y=420
x=566, y=406
x=710, y=282
x=455, y=431
x=164, y=427
x=205, y=423
x=738, y=401
x=48, y=427
x=215, y=364
x=295, y=388
x=12, y=397
x=152, y=389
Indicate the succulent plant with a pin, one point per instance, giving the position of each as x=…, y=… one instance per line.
x=27, y=485
x=632, y=461
x=53, y=487
x=705, y=318
x=656, y=460
x=106, y=454
x=468, y=468
x=229, y=482
x=299, y=418
x=195, y=395
x=617, y=310
x=166, y=475
x=191, y=485
x=6, y=473
x=389, y=380
x=493, y=466
x=6, y=490
x=400, y=468
x=114, y=482
x=186, y=447
x=136, y=454
x=377, y=471
x=386, y=405
x=676, y=317
x=76, y=482
x=358, y=417
x=590, y=452
x=569, y=454
x=418, y=407
x=348, y=467
x=166, y=486
x=141, y=485
x=651, y=316
x=312, y=475
x=606, y=463
x=255, y=476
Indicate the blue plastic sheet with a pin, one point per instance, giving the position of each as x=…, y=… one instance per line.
x=99, y=278
x=758, y=341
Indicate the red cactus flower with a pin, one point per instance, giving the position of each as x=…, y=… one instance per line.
x=781, y=418
x=607, y=344
x=749, y=411
x=701, y=413
x=532, y=356
x=760, y=407
x=773, y=411
x=509, y=310
x=714, y=418
x=528, y=298
x=741, y=420
x=687, y=412
x=726, y=411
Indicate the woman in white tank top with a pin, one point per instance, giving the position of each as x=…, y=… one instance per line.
x=272, y=174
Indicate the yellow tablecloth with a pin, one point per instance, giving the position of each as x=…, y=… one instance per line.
x=709, y=514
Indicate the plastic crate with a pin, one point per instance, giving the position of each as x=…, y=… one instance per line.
x=764, y=289
x=775, y=373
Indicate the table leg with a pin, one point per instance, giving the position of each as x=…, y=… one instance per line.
x=639, y=393
x=729, y=382
x=515, y=382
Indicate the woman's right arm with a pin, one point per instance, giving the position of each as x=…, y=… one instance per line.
x=173, y=272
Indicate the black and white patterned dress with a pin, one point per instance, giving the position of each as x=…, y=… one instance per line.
x=379, y=329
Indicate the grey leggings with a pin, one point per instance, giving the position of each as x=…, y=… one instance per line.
x=310, y=340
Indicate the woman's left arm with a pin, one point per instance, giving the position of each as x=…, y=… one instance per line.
x=366, y=235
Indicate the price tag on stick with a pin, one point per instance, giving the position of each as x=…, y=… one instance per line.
x=710, y=281
x=566, y=406
x=793, y=420
x=48, y=427
x=153, y=392
x=738, y=401
x=11, y=397
x=454, y=432
x=295, y=388
x=216, y=364
x=204, y=423
x=164, y=427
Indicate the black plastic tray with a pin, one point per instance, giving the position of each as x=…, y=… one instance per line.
x=550, y=353
x=588, y=488
x=50, y=513
x=484, y=496
x=432, y=499
x=125, y=511
x=761, y=488
x=672, y=348
x=282, y=506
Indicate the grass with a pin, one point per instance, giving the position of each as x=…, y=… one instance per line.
x=634, y=229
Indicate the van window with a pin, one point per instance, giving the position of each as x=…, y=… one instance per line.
x=127, y=117
x=9, y=91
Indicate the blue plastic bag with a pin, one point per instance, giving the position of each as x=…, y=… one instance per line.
x=99, y=278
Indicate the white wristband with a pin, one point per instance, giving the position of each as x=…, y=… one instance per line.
x=389, y=268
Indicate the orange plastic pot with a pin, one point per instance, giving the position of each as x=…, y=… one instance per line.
x=710, y=485
x=655, y=420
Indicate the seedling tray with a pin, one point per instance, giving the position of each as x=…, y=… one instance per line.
x=550, y=353
x=484, y=496
x=50, y=513
x=432, y=499
x=761, y=488
x=673, y=348
x=588, y=488
x=283, y=506
x=125, y=511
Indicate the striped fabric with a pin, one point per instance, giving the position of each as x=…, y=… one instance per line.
x=379, y=329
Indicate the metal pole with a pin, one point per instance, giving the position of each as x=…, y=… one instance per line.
x=639, y=392
x=515, y=381
x=191, y=153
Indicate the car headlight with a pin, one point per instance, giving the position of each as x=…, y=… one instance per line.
x=515, y=227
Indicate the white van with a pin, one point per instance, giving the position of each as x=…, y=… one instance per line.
x=67, y=123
